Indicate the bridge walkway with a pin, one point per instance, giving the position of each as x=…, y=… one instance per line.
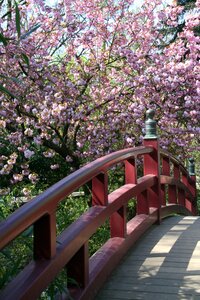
x=164, y=264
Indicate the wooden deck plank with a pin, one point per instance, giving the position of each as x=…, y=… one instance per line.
x=164, y=264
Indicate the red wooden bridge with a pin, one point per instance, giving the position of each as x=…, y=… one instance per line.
x=165, y=188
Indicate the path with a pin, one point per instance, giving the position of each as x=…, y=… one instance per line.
x=164, y=264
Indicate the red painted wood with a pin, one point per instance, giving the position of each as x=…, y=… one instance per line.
x=78, y=268
x=101, y=265
x=188, y=204
x=185, y=180
x=105, y=260
x=152, y=166
x=192, y=187
x=172, y=190
x=71, y=249
x=173, y=160
x=118, y=223
x=163, y=195
x=172, y=194
x=130, y=171
x=179, y=193
x=181, y=197
x=174, y=209
x=100, y=189
x=44, y=244
x=46, y=202
x=193, y=190
x=121, y=196
x=152, y=160
x=165, y=171
x=176, y=171
x=143, y=203
x=184, y=187
x=172, y=181
x=118, y=219
x=165, y=166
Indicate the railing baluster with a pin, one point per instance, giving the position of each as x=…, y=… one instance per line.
x=142, y=203
x=166, y=166
x=44, y=245
x=181, y=197
x=188, y=203
x=165, y=171
x=130, y=171
x=118, y=223
x=172, y=188
x=192, y=185
x=118, y=219
x=78, y=268
x=176, y=171
x=180, y=192
x=100, y=189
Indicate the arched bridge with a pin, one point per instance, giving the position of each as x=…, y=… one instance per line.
x=165, y=188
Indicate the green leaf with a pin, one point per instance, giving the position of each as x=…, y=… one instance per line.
x=7, y=92
x=34, y=28
x=26, y=59
x=17, y=20
x=3, y=39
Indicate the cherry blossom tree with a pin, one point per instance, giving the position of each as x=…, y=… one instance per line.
x=77, y=78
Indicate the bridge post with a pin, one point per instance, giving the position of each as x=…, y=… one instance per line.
x=192, y=184
x=189, y=179
x=152, y=161
x=165, y=171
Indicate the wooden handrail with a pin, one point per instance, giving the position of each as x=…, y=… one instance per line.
x=174, y=160
x=167, y=180
x=47, y=202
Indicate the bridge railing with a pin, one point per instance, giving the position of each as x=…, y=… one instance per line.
x=180, y=183
x=164, y=188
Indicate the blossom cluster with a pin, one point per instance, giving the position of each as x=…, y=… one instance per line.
x=78, y=77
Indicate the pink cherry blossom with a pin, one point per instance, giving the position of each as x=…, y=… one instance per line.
x=81, y=76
